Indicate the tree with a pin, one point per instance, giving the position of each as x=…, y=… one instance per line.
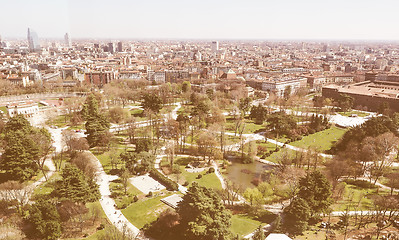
x=97, y=124
x=143, y=145
x=43, y=139
x=129, y=159
x=84, y=162
x=378, y=151
x=186, y=86
x=281, y=123
x=152, y=102
x=259, y=113
x=393, y=181
x=75, y=186
x=345, y=102
x=297, y=215
x=118, y=115
x=245, y=105
x=21, y=151
x=165, y=227
x=15, y=192
x=45, y=220
x=203, y=215
x=259, y=234
x=112, y=233
x=315, y=189
x=253, y=195
x=206, y=143
x=125, y=179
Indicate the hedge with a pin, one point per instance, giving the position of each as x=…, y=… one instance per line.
x=169, y=184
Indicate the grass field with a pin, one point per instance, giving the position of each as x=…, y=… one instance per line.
x=355, y=197
x=4, y=109
x=321, y=141
x=105, y=158
x=250, y=126
x=243, y=225
x=145, y=211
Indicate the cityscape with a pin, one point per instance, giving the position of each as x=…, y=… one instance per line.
x=199, y=128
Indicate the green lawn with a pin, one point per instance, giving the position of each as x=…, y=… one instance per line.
x=250, y=126
x=105, y=158
x=321, y=141
x=145, y=211
x=355, y=197
x=208, y=180
x=243, y=225
x=276, y=156
x=4, y=109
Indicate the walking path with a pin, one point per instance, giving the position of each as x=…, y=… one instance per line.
x=108, y=204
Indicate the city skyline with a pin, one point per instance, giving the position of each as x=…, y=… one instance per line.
x=291, y=20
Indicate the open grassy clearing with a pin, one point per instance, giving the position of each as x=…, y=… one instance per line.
x=243, y=225
x=321, y=141
x=145, y=211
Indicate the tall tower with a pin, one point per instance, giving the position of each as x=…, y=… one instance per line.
x=120, y=47
x=33, y=41
x=111, y=47
x=67, y=40
x=215, y=46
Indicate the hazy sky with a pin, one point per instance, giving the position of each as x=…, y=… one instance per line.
x=202, y=19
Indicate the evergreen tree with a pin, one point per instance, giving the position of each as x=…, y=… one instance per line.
x=21, y=151
x=97, y=124
x=315, y=189
x=297, y=215
x=45, y=220
x=203, y=216
x=76, y=187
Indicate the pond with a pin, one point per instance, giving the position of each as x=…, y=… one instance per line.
x=244, y=174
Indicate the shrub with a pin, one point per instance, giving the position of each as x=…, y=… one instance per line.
x=360, y=183
x=149, y=194
x=199, y=176
x=211, y=170
x=185, y=183
x=169, y=184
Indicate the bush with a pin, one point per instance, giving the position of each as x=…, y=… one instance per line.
x=185, y=183
x=149, y=194
x=211, y=170
x=135, y=198
x=199, y=176
x=169, y=184
x=360, y=183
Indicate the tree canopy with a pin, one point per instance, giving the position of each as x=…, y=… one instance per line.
x=203, y=215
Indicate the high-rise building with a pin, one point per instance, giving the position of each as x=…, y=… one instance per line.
x=215, y=46
x=33, y=41
x=120, y=47
x=67, y=40
x=111, y=47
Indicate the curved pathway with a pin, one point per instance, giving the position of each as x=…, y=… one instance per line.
x=108, y=204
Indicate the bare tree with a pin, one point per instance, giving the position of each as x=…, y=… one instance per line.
x=14, y=191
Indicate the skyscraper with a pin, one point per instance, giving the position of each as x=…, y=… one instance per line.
x=33, y=41
x=111, y=47
x=120, y=47
x=67, y=40
x=215, y=46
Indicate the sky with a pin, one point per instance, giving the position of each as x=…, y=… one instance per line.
x=202, y=19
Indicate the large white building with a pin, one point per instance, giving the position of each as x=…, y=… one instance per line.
x=279, y=86
x=24, y=108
